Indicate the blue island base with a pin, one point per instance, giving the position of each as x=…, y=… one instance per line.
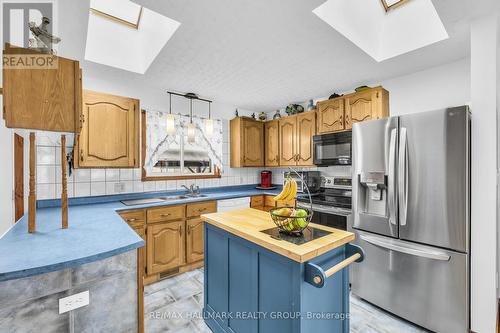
x=250, y=289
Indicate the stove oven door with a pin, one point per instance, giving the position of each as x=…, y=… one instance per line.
x=327, y=215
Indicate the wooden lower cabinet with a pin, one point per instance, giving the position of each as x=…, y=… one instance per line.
x=173, y=236
x=194, y=240
x=266, y=202
x=165, y=246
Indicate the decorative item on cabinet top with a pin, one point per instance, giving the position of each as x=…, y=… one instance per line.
x=338, y=114
x=100, y=145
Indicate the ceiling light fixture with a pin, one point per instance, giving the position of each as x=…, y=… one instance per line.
x=191, y=126
x=170, y=119
x=209, y=123
x=392, y=4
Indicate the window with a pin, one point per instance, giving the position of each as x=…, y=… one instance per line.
x=173, y=156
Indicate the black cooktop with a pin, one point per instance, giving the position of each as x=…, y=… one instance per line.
x=308, y=235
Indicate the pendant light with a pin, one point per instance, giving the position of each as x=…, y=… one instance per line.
x=209, y=123
x=191, y=127
x=170, y=119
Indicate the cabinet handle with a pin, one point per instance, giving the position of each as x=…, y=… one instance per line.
x=81, y=155
x=202, y=209
x=189, y=230
x=131, y=220
x=165, y=215
x=180, y=230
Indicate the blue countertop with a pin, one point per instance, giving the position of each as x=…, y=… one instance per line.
x=95, y=231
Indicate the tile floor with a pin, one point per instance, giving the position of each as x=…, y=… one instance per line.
x=174, y=305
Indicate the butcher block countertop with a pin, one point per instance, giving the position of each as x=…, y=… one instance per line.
x=248, y=223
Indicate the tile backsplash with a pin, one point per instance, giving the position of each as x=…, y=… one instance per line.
x=93, y=182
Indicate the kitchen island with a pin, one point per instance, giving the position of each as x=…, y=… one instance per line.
x=257, y=280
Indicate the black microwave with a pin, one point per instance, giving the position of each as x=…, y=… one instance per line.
x=333, y=149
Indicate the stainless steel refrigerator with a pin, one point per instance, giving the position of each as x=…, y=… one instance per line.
x=411, y=215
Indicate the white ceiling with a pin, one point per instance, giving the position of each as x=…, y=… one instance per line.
x=262, y=55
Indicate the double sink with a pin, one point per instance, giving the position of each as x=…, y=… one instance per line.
x=162, y=199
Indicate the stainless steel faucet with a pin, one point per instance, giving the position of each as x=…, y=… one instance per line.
x=192, y=189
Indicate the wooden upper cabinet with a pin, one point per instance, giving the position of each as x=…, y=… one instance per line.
x=165, y=246
x=110, y=132
x=366, y=105
x=44, y=99
x=288, y=140
x=253, y=137
x=306, y=129
x=271, y=131
x=330, y=115
x=247, y=142
x=296, y=135
x=194, y=240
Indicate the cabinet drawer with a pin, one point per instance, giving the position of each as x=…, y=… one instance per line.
x=165, y=214
x=198, y=209
x=257, y=201
x=136, y=218
x=286, y=203
x=269, y=201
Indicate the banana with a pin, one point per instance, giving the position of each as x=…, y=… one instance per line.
x=285, y=192
x=293, y=191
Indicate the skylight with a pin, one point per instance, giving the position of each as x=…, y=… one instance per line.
x=384, y=35
x=125, y=35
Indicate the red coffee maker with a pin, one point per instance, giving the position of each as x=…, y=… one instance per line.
x=266, y=179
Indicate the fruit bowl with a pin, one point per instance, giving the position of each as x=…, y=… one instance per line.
x=291, y=220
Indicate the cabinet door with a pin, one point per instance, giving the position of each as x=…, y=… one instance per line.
x=253, y=143
x=44, y=99
x=165, y=246
x=306, y=128
x=102, y=145
x=331, y=116
x=360, y=107
x=272, y=143
x=142, y=251
x=288, y=141
x=194, y=242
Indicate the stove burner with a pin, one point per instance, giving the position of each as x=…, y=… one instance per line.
x=308, y=235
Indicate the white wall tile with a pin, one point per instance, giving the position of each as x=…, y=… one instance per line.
x=45, y=174
x=46, y=191
x=98, y=175
x=161, y=185
x=138, y=186
x=149, y=186
x=137, y=174
x=97, y=188
x=112, y=175
x=112, y=188
x=70, y=189
x=128, y=186
x=82, y=175
x=82, y=189
x=171, y=185
x=46, y=155
x=126, y=174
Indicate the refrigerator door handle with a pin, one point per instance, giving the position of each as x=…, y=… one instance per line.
x=391, y=191
x=414, y=250
x=403, y=176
